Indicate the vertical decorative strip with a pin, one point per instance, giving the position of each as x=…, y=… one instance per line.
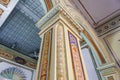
x=46, y=57
x=61, y=61
x=76, y=59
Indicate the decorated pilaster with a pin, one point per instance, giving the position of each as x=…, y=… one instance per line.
x=63, y=28
x=60, y=54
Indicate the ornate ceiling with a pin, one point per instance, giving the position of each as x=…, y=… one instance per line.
x=98, y=11
x=19, y=31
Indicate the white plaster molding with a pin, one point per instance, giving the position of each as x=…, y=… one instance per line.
x=7, y=11
x=58, y=8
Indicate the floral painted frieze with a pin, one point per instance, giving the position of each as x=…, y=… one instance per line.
x=76, y=59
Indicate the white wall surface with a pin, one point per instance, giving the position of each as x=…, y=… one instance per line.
x=7, y=10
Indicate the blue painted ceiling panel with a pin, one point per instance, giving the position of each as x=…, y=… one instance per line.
x=20, y=33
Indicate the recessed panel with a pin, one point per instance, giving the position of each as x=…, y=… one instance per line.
x=113, y=43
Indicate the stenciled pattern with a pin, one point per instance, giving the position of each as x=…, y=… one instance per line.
x=76, y=60
x=110, y=25
x=61, y=62
x=45, y=57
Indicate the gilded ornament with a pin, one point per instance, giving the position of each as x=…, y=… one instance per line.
x=4, y=2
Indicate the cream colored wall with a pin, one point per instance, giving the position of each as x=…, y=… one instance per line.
x=106, y=37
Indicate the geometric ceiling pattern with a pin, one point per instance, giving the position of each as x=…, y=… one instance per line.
x=19, y=31
x=34, y=9
x=35, y=6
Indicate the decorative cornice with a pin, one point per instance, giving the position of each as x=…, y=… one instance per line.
x=49, y=15
x=61, y=10
x=105, y=28
x=17, y=57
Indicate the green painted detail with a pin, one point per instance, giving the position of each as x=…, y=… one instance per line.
x=49, y=15
x=106, y=66
x=94, y=40
x=92, y=49
x=109, y=71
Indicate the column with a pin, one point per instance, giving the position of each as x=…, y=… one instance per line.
x=60, y=55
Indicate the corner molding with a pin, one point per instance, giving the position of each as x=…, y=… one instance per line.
x=58, y=9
